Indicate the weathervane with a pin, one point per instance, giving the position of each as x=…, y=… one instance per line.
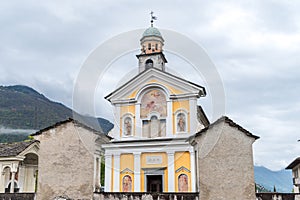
x=152, y=18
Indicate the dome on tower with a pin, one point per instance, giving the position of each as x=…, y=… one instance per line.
x=152, y=31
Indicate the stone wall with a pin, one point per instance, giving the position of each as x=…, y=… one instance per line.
x=66, y=162
x=17, y=196
x=225, y=163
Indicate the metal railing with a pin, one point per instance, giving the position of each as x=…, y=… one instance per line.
x=147, y=195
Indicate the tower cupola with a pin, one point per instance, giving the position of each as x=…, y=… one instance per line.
x=151, y=54
x=152, y=41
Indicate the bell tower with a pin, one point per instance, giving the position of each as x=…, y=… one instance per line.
x=151, y=54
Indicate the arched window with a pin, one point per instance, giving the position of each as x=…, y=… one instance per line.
x=127, y=126
x=149, y=46
x=183, y=183
x=144, y=49
x=153, y=113
x=156, y=46
x=181, y=122
x=154, y=100
x=154, y=127
x=6, y=176
x=127, y=183
x=149, y=63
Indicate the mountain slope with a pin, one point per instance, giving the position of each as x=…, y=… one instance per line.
x=282, y=179
x=22, y=107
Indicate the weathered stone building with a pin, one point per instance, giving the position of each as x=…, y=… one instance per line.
x=19, y=165
x=69, y=160
x=225, y=161
x=295, y=167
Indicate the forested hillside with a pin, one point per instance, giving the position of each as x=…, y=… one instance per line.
x=24, y=110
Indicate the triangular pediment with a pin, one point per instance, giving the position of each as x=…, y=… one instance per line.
x=176, y=87
x=126, y=171
x=182, y=169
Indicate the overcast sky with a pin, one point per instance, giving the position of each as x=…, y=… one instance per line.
x=254, y=44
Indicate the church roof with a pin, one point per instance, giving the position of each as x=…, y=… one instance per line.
x=230, y=123
x=294, y=163
x=152, y=31
x=67, y=121
x=14, y=149
x=202, y=89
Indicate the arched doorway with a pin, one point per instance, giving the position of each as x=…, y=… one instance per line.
x=30, y=169
x=16, y=187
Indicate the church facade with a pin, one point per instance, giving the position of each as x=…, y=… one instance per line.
x=154, y=147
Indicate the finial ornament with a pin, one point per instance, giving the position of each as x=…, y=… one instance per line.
x=152, y=18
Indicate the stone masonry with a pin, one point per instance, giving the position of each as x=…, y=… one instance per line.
x=66, y=162
x=225, y=162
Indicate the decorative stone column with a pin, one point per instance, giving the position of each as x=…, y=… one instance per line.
x=96, y=172
x=193, y=174
x=117, y=115
x=171, y=172
x=14, y=169
x=137, y=172
x=12, y=182
x=108, y=168
x=169, y=122
x=193, y=115
x=116, y=168
x=138, y=121
x=21, y=175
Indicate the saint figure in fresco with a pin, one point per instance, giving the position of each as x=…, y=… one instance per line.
x=128, y=126
x=181, y=122
x=153, y=101
x=183, y=184
x=127, y=183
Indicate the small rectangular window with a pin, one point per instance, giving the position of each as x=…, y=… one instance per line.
x=295, y=172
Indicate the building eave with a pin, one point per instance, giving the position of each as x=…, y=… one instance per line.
x=70, y=120
x=228, y=121
x=294, y=163
x=201, y=93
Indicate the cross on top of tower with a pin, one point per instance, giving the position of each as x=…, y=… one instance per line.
x=152, y=18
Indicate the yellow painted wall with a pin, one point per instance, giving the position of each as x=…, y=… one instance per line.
x=163, y=164
x=125, y=110
x=133, y=94
x=170, y=88
x=177, y=105
x=182, y=159
x=126, y=161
